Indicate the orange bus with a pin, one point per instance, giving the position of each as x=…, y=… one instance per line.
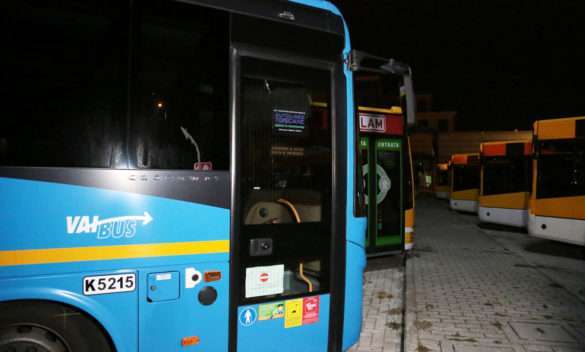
x=557, y=203
x=505, y=182
x=441, y=181
x=464, y=191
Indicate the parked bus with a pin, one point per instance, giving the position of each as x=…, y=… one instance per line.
x=441, y=181
x=387, y=171
x=557, y=203
x=167, y=183
x=506, y=174
x=465, y=174
x=386, y=161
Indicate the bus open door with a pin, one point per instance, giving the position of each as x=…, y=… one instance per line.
x=385, y=151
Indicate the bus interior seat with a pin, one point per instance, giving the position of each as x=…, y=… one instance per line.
x=264, y=207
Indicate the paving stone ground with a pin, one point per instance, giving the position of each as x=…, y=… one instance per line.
x=382, y=324
x=477, y=290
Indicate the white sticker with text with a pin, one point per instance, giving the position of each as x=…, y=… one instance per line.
x=264, y=280
x=99, y=285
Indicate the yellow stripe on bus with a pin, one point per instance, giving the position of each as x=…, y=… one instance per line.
x=392, y=110
x=131, y=251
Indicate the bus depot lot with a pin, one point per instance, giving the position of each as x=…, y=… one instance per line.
x=473, y=289
x=382, y=326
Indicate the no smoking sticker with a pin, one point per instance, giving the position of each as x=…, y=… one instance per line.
x=264, y=277
x=264, y=280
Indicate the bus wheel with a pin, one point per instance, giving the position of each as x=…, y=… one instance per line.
x=35, y=326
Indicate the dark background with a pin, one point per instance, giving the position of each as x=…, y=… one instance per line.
x=499, y=64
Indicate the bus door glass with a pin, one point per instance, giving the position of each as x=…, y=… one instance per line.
x=285, y=184
x=365, y=171
x=382, y=170
x=389, y=204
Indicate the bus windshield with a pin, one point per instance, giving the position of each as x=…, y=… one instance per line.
x=561, y=168
x=465, y=177
x=504, y=175
x=443, y=177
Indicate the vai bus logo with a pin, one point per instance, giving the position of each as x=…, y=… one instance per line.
x=117, y=227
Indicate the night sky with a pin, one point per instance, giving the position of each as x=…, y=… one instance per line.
x=499, y=64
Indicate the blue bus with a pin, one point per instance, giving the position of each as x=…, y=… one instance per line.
x=178, y=176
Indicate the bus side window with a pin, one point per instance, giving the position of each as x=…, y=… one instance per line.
x=63, y=83
x=180, y=87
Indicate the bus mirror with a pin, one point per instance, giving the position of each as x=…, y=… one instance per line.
x=408, y=90
x=362, y=61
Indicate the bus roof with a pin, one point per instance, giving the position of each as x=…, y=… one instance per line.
x=463, y=159
x=563, y=128
x=506, y=148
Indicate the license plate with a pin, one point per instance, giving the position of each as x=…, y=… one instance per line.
x=99, y=285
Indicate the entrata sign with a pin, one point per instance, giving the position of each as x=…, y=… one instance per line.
x=381, y=123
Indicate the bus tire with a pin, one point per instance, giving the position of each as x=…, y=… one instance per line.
x=43, y=326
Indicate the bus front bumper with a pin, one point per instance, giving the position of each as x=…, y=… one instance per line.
x=463, y=205
x=557, y=229
x=503, y=216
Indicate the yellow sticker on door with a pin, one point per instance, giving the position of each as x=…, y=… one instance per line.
x=293, y=315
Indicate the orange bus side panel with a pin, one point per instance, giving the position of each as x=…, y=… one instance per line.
x=493, y=149
x=565, y=207
x=556, y=129
x=442, y=189
x=519, y=200
x=409, y=218
x=468, y=194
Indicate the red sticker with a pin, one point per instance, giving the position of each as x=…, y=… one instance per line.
x=310, y=310
x=203, y=166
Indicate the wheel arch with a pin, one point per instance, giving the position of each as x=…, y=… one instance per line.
x=100, y=314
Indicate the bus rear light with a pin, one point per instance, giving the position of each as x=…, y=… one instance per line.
x=211, y=276
x=190, y=341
